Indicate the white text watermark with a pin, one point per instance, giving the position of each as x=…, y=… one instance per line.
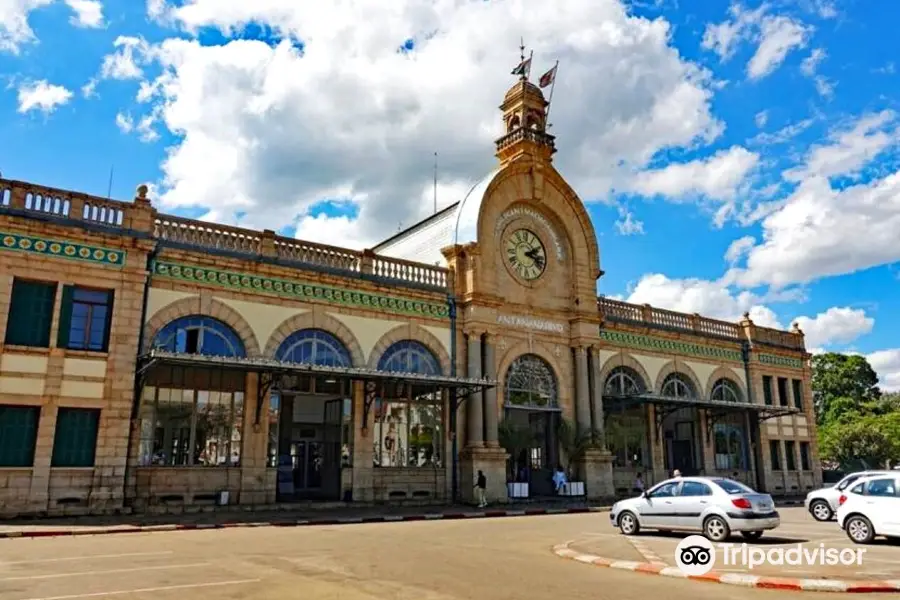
x=696, y=555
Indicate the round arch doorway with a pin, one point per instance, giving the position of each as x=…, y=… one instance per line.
x=531, y=417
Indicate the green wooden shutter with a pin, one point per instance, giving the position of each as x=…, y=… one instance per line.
x=107, y=329
x=75, y=440
x=18, y=435
x=30, y=313
x=65, y=317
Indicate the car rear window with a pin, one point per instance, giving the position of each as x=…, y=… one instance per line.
x=732, y=487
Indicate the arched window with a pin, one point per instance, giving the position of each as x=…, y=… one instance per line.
x=409, y=356
x=314, y=347
x=623, y=381
x=530, y=382
x=677, y=385
x=199, y=334
x=725, y=390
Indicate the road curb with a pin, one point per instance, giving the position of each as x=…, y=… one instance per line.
x=740, y=579
x=442, y=516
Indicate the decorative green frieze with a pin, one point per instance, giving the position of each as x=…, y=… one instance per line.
x=780, y=361
x=298, y=289
x=646, y=342
x=61, y=249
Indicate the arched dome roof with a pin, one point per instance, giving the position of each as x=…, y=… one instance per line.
x=465, y=228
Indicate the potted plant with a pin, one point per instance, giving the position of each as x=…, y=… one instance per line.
x=574, y=445
x=515, y=439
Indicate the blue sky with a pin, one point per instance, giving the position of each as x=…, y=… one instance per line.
x=263, y=116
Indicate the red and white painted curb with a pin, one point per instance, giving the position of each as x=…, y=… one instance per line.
x=440, y=516
x=741, y=579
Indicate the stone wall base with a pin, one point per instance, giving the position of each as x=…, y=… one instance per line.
x=492, y=462
x=596, y=469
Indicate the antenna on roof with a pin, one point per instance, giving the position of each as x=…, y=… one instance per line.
x=109, y=189
x=435, y=182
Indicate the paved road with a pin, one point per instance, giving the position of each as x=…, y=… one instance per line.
x=878, y=561
x=490, y=559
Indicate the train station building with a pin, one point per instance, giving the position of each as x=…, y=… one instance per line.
x=159, y=364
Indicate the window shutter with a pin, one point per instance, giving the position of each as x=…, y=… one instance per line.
x=107, y=330
x=65, y=317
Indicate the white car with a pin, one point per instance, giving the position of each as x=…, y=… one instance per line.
x=714, y=506
x=871, y=507
x=823, y=503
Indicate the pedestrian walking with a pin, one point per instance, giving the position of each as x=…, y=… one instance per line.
x=480, y=488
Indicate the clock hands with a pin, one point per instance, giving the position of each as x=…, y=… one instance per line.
x=534, y=255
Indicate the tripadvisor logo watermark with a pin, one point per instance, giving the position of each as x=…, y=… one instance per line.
x=696, y=555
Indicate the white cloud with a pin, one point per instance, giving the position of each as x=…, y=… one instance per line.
x=270, y=131
x=774, y=36
x=778, y=36
x=709, y=298
x=14, y=28
x=821, y=230
x=723, y=38
x=739, y=248
x=143, y=127
x=88, y=13
x=718, y=177
x=837, y=325
x=125, y=62
x=811, y=63
x=783, y=135
x=887, y=364
x=809, y=67
x=761, y=118
x=849, y=150
x=626, y=224
x=42, y=96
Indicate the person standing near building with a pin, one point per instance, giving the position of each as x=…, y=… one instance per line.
x=480, y=488
x=677, y=474
x=639, y=484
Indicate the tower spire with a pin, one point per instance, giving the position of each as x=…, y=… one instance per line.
x=523, y=76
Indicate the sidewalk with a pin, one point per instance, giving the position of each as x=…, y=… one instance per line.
x=51, y=527
x=301, y=516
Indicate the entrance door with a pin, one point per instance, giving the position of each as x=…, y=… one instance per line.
x=683, y=456
x=331, y=448
x=307, y=457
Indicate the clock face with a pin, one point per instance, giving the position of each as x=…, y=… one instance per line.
x=525, y=254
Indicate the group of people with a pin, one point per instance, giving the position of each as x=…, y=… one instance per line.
x=560, y=481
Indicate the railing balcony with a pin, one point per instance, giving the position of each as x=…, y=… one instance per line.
x=648, y=316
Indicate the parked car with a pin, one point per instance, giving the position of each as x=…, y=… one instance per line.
x=714, y=506
x=823, y=503
x=871, y=507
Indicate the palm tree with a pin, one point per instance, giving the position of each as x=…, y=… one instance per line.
x=515, y=439
x=574, y=444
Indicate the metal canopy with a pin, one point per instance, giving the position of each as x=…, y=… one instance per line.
x=270, y=369
x=715, y=409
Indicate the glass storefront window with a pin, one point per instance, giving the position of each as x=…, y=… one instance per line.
x=192, y=417
x=409, y=433
x=626, y=435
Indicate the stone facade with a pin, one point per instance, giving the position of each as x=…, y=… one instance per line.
x=534, y=326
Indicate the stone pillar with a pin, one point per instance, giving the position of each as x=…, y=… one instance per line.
x=597, y=400
x=475, y=402
x=595, y=466
x=491, y=409
x=582, y=391
x=476, y=455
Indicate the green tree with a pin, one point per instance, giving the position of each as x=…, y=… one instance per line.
x=873, y=439
x=842, y=376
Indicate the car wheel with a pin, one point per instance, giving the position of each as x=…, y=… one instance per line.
x=821, y=511
x=752, y=535
x=716, y=529
x=859, y=529
x=628, y=523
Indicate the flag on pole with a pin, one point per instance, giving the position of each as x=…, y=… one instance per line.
x=548, y=78
x=524, y=68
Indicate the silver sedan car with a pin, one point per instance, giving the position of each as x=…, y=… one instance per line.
x=713, y=506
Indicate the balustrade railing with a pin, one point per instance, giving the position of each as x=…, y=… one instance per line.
x=206, y=235
x=616, y=310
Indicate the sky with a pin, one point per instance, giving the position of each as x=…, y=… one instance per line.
x=734, y=157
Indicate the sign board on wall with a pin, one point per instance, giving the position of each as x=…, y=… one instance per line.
x=530, y=323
